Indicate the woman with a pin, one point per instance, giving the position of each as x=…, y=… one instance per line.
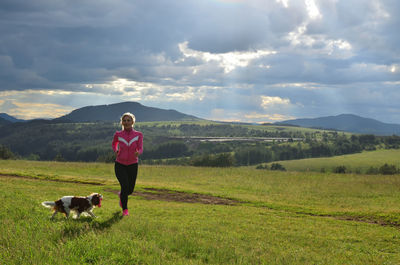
x=127, y=145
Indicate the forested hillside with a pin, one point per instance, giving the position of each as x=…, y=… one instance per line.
x=112, y=113
x=186, y=143
x=348, y=123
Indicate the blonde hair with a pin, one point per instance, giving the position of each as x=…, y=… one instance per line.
x=127, y=114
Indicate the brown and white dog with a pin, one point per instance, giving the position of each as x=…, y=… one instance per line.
x=77, y=204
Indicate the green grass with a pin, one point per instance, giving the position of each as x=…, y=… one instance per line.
x=286, y=217
x=355, y=162
x=99, y=173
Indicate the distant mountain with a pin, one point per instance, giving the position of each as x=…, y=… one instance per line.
x=347, y=122
x=6, y=117
x=113, y=112
x=4, y=121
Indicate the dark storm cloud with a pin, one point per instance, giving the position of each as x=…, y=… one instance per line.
x=242, y=56
x=79, y=42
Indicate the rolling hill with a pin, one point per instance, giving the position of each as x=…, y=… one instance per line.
x=5, y=118
x=113, y=112
x=347, y=122
x=4, y=121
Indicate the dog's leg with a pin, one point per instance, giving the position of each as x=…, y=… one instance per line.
x=54, y=214
x=67, y=211
x=78, y=214
x=91, y=214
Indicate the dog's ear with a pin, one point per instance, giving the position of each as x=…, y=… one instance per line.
x=96, y=199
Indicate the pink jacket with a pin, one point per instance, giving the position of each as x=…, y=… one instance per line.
x=127, y=142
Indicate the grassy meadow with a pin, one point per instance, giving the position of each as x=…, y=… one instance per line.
x=359, y=162
x=279, y=218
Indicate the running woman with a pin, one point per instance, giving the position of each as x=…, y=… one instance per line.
x=127, y=145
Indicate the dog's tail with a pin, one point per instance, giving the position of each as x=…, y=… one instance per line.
x=48, y=204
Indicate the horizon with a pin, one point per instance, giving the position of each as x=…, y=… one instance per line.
x=255, y=123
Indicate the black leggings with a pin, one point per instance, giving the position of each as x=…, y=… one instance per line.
x=126, y=176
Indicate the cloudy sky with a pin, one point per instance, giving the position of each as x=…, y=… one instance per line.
x=232, y=60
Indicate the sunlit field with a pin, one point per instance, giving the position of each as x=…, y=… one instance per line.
x=359, y=162
x=275, y=218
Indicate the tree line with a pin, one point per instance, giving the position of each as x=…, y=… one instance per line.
x=91, y=142
x=251, y=154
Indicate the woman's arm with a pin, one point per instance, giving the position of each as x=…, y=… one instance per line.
x=139, y=148
x=114, y=143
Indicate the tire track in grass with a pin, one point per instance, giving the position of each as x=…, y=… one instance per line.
x=180, y=196
x=52, y=178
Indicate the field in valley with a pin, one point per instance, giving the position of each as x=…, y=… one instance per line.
x=359, y=162
x=192, y=215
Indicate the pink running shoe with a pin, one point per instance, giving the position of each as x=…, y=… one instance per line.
x=120, y=203
x=125, y=212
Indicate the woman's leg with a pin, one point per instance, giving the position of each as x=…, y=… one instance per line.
x=132, y=173
x=121, y=172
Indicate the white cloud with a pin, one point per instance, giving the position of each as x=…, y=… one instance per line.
x=16, y=106
x=285, y=3
x=268, y=102
x=380, y=10
x=261, y=117
x=312, y=9
x=228, y=61
x=251, y=117
x=319, y=44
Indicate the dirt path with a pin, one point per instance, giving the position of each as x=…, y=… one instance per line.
x=179, y=196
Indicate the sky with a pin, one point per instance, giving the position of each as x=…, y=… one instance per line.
x=228, y=60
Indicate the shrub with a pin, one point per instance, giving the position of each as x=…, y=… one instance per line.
x=277, y=166
x=218, y=160
x=6, y=153
x=388, y=169
x=262, y=167
x=340, y=169
x=59, y=158
x=33, y=157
